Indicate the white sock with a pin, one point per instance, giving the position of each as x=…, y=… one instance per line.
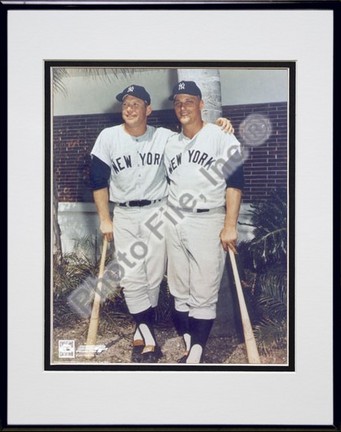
x=195, y=354
x=187, y=339
x=147, y=335
x=137, y=334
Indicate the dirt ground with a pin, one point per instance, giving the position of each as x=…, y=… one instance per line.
x=114, y=346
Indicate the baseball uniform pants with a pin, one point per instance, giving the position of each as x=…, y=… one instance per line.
x=140, y=254
x=196, y=261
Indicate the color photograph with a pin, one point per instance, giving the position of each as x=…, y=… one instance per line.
x=169, y=190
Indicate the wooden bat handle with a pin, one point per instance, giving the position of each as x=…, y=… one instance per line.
x=250, y=341
x=94, y=319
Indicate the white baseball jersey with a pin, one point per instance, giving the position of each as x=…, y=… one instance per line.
x=137, y=163
x=195, y=167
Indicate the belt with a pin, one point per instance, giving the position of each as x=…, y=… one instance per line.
x=138, y=203
x=194, y=210
x=191, y=210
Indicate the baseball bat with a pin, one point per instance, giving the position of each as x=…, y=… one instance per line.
x=94, y=318
x=250, y=341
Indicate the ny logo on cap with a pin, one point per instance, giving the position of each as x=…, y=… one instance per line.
x=181, y=86
x=130, y=89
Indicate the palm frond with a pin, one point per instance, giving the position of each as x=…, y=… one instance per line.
x=104, y=74
x=270, y=334
x=58, y=76
x=269, y=219
x=265, y=269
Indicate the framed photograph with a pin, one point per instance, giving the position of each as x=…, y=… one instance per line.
x=72, y=307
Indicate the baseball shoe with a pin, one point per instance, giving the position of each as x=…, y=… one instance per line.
x=138, y=346
x=151, y=354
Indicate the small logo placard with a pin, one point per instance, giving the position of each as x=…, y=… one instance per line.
x=66, y=349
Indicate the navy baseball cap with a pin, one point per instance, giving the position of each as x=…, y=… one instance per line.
x=135, y=90
x=186, y=87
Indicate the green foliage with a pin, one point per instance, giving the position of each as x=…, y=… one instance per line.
x=270, y=335
x=264, y=261
x=269, y=219
x=271, y=306
x=69, y=274
x=83, y=263
x=273, y=297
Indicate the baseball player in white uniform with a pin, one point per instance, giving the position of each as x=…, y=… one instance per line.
x=129, y=158
x=128, y=169
x=204, y=167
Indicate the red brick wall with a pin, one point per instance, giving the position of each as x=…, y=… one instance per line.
x=74, y=136
x=266, y=167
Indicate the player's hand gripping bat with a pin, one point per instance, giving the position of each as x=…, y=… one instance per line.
x=94, y=319
x=250, y=341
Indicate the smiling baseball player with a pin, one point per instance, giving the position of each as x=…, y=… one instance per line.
x=129, y=159
x=204, y=167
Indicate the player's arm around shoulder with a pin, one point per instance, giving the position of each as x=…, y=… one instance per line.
x=225, y=125
x=229, y=146
x=225, y=143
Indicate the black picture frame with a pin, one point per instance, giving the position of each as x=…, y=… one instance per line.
x=6, y=336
